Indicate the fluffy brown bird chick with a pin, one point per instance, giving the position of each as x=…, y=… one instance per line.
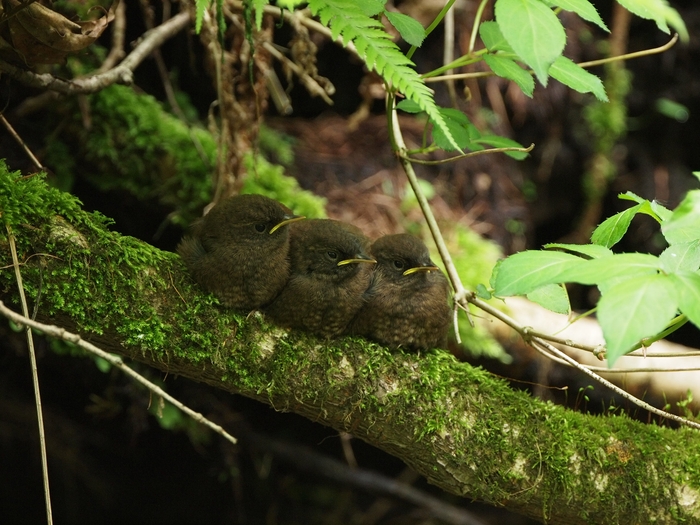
x=330, y=271
x=408, y=299
x=238, y=251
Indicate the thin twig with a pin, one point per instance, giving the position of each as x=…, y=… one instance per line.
x=462, y=296
x=35, y=377
x=448, y=51
x=61, y=333
x=118, y=28
x=561, y=356
x=636, y=54
x=313, y=87
x=467, y=155
x=22, y=144
x=121, y=74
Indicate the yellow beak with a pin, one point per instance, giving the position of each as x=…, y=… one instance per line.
x=353, y=261
x=294, y=218
x=421, y=269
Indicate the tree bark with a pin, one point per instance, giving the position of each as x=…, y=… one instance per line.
x=463, y=429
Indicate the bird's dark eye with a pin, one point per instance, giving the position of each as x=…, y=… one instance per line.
x=398, y=264
x=260, y=228
x=332, y=255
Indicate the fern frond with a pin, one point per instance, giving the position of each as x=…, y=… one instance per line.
x=374, y=45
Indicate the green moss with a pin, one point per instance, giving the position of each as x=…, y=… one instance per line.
x=494, y=444
x=268, y=179
x=133, y=144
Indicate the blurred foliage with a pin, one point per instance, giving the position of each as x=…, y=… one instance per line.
x=133, y=144
x=268, y=179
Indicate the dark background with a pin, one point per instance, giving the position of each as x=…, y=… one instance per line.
x=112, y=462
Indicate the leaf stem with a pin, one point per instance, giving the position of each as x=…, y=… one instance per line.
x=433, y=25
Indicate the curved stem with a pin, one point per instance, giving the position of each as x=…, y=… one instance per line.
x=475, y=28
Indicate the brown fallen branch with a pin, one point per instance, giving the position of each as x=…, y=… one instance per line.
x=464, y=430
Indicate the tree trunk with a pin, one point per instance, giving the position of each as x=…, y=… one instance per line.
x=464, y=430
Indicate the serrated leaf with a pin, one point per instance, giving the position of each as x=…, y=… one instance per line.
x=410, y=30
x=684, y=223
x=493, y=39
x=611, y=230
x=651, y=208
x=380, y=53
x=497, y=141
x=458, y=116
x=660, y=12
x=635, y=309
x=553, y=297
x=661, y=211
x=289, y=4
x=631, y=196
x=570, y=74
x=509, y=69
x=684, y=256
x=200, y=7
x=526, y=271
x=258, y=7
x=582, y=8
x=459, y=133
x=687, y=286
x=371, y=7
x=482, y=292
x=463, y=131
x=611, y=268
x=593, y=251
x=409, y=106
x=533, y=31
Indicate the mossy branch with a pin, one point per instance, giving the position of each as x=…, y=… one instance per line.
x=466, y=431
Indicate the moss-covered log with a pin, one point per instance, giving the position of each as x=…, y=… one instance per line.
x=466, y=431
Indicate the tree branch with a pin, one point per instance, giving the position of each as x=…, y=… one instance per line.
x=121, y=74
x=461, y=428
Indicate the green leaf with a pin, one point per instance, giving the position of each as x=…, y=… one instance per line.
x=635, y=309
x=409, y=29
x=672, y=109
x=660, y=12
x=374, y=45
x=533, y=31
x=371, y=7
x=687, y=286
x=613, y=268
x=493, y=39
x=684, y=223
x=582, y=8
x=463, y=131
x=507, y=68
x=482, y=292
x=259, y=6
x=496, y=141
x=611, y=230
x=652, y=208
x=631, y=196
x=200, y=7
x=290, y=4
x=594, y=251
x=684, y=256
x=526, y=271
x=459, y=133
x=409, y=106
x=570, y=74
x=661, y=211
x=553, y=297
